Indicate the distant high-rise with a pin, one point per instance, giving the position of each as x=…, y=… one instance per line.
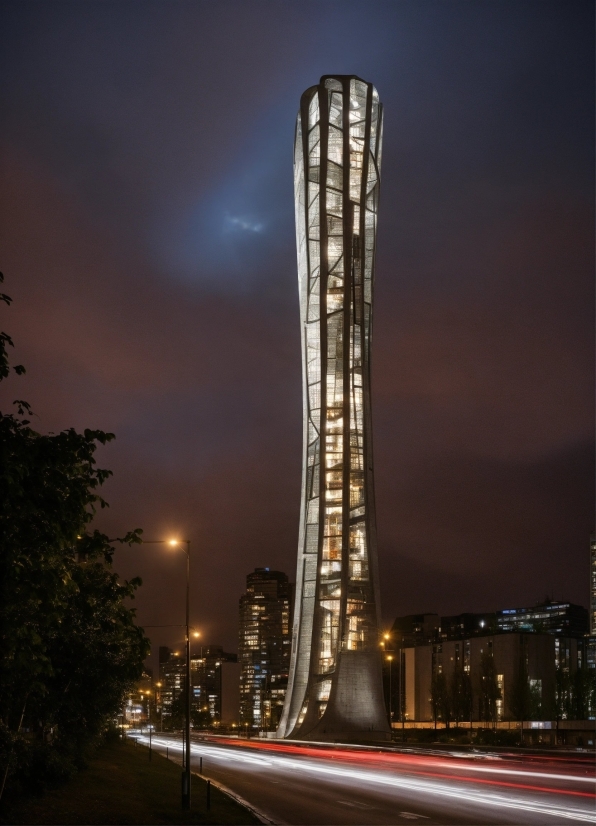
x=172, y=668
x=207, y=682
x=591, y=643
x=593, y=585
x=335, y=684
x=264, y=647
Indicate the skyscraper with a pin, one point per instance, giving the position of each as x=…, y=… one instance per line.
x=591, y=643
x=593, y=585
x=335, y=684
x=264, y=647
x=207, y=682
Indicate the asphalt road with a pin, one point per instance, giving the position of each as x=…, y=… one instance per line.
x=299, y=784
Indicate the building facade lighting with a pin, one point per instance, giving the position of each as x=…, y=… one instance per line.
x=335, y=686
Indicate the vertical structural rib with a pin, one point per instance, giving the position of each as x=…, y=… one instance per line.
x=335, y=684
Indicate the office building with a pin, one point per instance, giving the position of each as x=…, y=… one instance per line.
x=467, y=625
x=172, y=671
x=562, y=619
x=215, y=696
x=412, y=630
x=590, y=642
x=491, y=667
x=593, y=585
x=264, y=648
x=335, y=685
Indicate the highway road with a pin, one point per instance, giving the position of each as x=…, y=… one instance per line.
x=304, y=784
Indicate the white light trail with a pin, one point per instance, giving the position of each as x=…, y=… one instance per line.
x=543, y=775
x=388, y=779
x=219, y=754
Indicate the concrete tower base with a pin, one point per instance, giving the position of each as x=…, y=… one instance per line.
x=355, y=712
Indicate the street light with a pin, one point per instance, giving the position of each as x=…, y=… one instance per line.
x=389, y=659
x=158, y=686
x=384, y=643
x=186, y=773
x=401, y=699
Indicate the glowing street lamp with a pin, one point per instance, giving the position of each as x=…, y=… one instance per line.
x=180, y=543
x=389, y=659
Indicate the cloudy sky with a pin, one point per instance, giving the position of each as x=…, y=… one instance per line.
x=148, y=242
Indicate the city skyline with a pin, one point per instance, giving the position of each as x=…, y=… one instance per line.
x=149, y=247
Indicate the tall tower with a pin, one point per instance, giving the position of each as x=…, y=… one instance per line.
x=264, y=647
x=593, y=585
x=335, y=683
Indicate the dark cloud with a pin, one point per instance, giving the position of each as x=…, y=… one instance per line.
x=148, y=241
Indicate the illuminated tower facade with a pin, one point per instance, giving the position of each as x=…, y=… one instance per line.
x=335, y=681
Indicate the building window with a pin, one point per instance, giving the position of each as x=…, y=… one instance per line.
x=500, y=703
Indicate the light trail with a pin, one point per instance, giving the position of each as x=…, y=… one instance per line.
x=516, y=772
x=389, y=759
x=389, y=780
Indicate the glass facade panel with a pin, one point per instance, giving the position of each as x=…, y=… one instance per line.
x=336, y=175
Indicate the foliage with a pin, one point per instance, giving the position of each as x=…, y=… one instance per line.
x=451, y=699
x=488, y=688
x=440, y=698
x=583, y=686
x=525, y=699
x=70, y=647
x=575, y=693
x=461, y=695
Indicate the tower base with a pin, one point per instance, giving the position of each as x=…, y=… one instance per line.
x=355, y=712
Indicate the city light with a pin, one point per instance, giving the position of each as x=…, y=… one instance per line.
x=438, y=780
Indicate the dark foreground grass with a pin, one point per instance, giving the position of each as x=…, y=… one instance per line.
x=122, y=786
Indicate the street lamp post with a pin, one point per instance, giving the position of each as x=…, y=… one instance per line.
x=155, y=692
x=401, y=704
x=186, y=772
x=149, y=719
x=389, y=658
x=390, y=661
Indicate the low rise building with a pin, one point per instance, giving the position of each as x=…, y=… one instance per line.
x=499, y=677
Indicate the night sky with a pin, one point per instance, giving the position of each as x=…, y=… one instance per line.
x=147, y=224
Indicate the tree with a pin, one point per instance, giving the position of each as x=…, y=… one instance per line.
x=575, y=693
x=461, y=695
x=489, y=691
x=535, y=699
x=521, y=700
x=70, y=646
x=440, y=699
x=562, y=708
